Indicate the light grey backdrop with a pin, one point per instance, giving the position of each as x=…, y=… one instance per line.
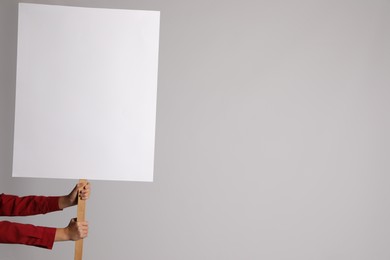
x=272, y=137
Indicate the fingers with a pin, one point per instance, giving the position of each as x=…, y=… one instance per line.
x=77, y=229
x=82, y=229
x=84, y=190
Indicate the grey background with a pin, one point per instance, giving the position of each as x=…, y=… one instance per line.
x=272, y=137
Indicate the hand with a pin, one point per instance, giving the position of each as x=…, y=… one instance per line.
x=74, y=231
x=80, y=191
x=77, y=230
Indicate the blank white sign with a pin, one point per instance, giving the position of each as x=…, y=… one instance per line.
x=86, y=93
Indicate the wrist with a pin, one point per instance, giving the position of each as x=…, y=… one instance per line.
x=62, y=234
x=64, y=202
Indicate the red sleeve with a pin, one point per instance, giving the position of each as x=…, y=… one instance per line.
x=11, y=205
x=15, y=233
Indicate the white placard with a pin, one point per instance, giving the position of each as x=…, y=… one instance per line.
x=86, y=93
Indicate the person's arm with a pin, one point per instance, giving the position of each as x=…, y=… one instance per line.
x=26, y=234
x=44, y=237
x=11, y=205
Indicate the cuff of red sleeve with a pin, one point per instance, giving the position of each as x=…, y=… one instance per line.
x=47, y=237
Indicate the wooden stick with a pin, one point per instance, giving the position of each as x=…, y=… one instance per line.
x=78, y=252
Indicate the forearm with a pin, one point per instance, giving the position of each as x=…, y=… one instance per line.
x=16, y=233
x=61, y=235
x=11, y=205
x=65, y=202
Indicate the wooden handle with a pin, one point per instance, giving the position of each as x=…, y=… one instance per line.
x=78, y=252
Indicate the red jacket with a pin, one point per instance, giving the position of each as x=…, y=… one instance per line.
x=16, y=233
